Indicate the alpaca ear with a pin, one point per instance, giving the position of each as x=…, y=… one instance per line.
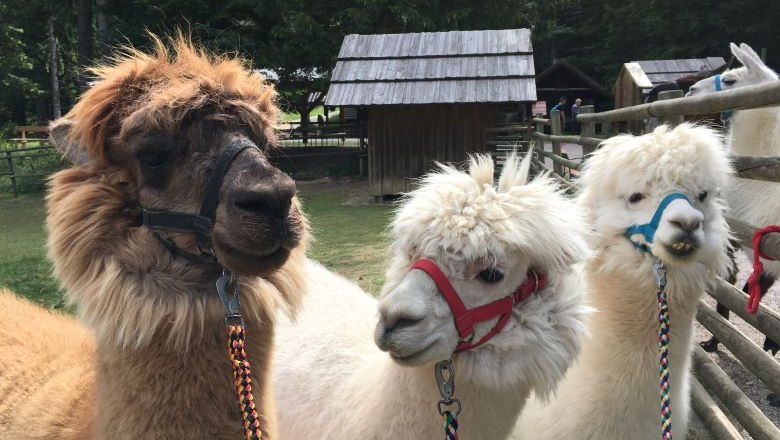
x=745, y=56
x=515, y=174
x=68, y=148
x=738, y=54
x=750, y=53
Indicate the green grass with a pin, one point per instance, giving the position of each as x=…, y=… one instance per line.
x=348, y=226
x=24, y=267
x=349, y=231
x=319, y=110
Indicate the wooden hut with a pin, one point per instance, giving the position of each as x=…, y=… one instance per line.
x=564, y=79
x=429, y=96
x=638, y=77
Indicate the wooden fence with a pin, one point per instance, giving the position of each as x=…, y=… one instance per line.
x=709, y=379
x=30, y=156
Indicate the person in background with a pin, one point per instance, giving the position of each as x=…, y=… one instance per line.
x=560, y=106
x=575, y=110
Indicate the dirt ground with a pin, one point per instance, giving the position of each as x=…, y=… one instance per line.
x=751, y=385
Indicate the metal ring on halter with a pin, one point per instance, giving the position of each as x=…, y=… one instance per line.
x=536, y=287
x=443, y=403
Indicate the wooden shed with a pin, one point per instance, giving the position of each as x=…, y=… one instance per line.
x=429, y=96
x=564, y=79
x=638, y=77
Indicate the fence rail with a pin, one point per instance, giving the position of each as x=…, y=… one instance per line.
x=710, y=380
x=761, y=95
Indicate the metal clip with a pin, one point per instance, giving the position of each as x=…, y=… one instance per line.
x=231, y=303
x=660, y=274
x=446, y=385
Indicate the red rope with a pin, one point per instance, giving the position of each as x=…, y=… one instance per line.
x=243, y=378
x=754, y=285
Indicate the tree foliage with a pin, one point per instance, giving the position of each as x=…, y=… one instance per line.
x=299, y=40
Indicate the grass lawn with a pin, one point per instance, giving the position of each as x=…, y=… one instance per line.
x=348, y=226
x=319, y=110
x=24, y=267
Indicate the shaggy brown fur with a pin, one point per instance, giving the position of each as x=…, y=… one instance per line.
x=44, y=354
x=158, y=364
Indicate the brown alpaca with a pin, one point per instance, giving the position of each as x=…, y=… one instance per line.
x=154, y=365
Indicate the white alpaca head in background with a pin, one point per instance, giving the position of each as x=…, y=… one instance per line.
x=753, y=72
x=484, y=237
x=626, y=179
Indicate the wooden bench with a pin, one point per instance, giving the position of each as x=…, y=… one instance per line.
x=39, y=133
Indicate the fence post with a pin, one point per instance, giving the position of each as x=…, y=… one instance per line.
x=671, y=94
x=555, y=130
x=11, y=172
x=588, y=129
x=605, y=128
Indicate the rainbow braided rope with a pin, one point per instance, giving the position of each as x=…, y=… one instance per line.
x=663, y=348
x=243, y=381
x=450, y=425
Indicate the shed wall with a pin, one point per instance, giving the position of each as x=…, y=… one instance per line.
x=404, y=141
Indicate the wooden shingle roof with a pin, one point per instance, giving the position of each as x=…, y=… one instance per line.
x=434, y=67
x=661, y=71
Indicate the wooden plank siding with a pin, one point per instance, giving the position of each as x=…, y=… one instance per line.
x=434, y=68
x=404, y=141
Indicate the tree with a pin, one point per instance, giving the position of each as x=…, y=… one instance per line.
x=53, y=68
x=85, y=40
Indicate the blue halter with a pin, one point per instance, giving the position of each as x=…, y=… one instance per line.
x=648, y=229
x=726, y=115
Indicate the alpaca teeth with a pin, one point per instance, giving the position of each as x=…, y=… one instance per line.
x=681, y=245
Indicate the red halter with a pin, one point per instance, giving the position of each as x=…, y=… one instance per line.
x=466, y=318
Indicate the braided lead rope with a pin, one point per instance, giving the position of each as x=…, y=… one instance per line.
x=445, y=380
x=663, y=347
x=238, y=358
x=450, y=425
x=243, y=381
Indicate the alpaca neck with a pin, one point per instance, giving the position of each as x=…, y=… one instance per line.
x=755, y=132
x=619, y=363
x=398, y=394
x=159, y=392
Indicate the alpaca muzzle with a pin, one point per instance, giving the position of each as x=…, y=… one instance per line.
x=648, y=230
x=465, y=319
x=201, y=224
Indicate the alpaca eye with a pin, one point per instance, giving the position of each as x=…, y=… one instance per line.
x=702, y=195
x=728, y=81
x=491, y=275
x=153, y=158
x=636, y=197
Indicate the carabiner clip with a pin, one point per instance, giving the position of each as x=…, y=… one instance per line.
x=446, y=384
x=660, y=274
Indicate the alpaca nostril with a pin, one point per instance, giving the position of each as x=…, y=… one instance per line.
x=401, y=324
x=266, y=200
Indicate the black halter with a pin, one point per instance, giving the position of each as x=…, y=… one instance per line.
x=199, y=224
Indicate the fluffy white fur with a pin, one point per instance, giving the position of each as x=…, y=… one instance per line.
x=612, y=390
x=754, y=132
x=332, y=381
